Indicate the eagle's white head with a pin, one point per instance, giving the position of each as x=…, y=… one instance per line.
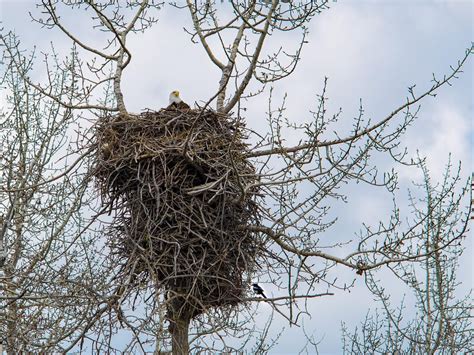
x=174, y=97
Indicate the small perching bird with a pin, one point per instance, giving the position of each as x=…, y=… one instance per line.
x=258, y=290
x=176, y=102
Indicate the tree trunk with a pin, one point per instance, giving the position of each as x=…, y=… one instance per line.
x=179, y=328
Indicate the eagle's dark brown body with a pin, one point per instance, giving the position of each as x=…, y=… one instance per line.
x=179, y=105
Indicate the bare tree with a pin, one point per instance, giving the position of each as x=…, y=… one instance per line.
x=56, y=281
x=442, y=322
x=242, y=58
x=48, y=260
x=297, y=185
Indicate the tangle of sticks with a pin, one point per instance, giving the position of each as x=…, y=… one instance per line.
x=176, y=182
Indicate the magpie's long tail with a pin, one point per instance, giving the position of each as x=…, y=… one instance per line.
x=263, y=295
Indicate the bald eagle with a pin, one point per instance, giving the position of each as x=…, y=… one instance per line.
x=176, y=102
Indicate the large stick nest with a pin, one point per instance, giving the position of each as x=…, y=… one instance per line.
x=176, y=183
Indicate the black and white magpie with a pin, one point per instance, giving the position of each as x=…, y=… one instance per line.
x=258, y=290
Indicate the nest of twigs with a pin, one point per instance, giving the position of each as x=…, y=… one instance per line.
x=176, y=181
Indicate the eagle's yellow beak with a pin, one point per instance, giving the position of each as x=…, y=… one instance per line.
x=176, y=93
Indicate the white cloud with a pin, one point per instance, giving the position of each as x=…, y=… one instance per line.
x=445, y=131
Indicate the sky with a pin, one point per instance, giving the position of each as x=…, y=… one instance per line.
x=370, y=51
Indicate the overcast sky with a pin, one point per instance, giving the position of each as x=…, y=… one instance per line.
x=370, y=50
